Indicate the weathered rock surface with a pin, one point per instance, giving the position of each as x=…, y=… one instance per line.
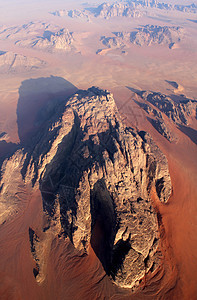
x=95, y=176
x=145, y=35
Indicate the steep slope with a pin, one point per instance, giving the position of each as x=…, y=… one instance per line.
x=95, y=176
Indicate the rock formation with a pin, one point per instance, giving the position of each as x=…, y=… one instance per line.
x=39, y=35
x=74, y=13
x=145, y=35
x=95, y=176
x=60, y=40
x=158, y=122
x=179, y=112
x=107, y=11
x=12, y=62
x=163, y=129
x=104, y=11
x=129, y=8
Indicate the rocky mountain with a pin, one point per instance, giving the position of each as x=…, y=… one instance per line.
x=107, y=10
x=96, y=177
x=104, y=11
x=12, y=62
x=130, y=8
x=39, y=35
x=145, y=35
x=188, y=8
x=131, y=5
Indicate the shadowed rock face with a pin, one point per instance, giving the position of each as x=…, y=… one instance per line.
x=95, y=176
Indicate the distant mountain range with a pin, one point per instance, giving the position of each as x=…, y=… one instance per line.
x=130, y=8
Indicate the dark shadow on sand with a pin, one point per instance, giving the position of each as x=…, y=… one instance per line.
x=38, y=100
x=190, y=132
x=174, y=84
x=138, y=92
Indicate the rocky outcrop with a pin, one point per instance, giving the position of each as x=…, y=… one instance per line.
x=153, y=34
x=95, y=176
x=104, y=11
x=179, y=112
x=145, y=35
x=39, y=35
x=158, y=122
x=107, y=11
x=163, y=129
x=129, y=8
x=60, y=40
x=190, y=8
x=73, y=13
x=12, y=62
